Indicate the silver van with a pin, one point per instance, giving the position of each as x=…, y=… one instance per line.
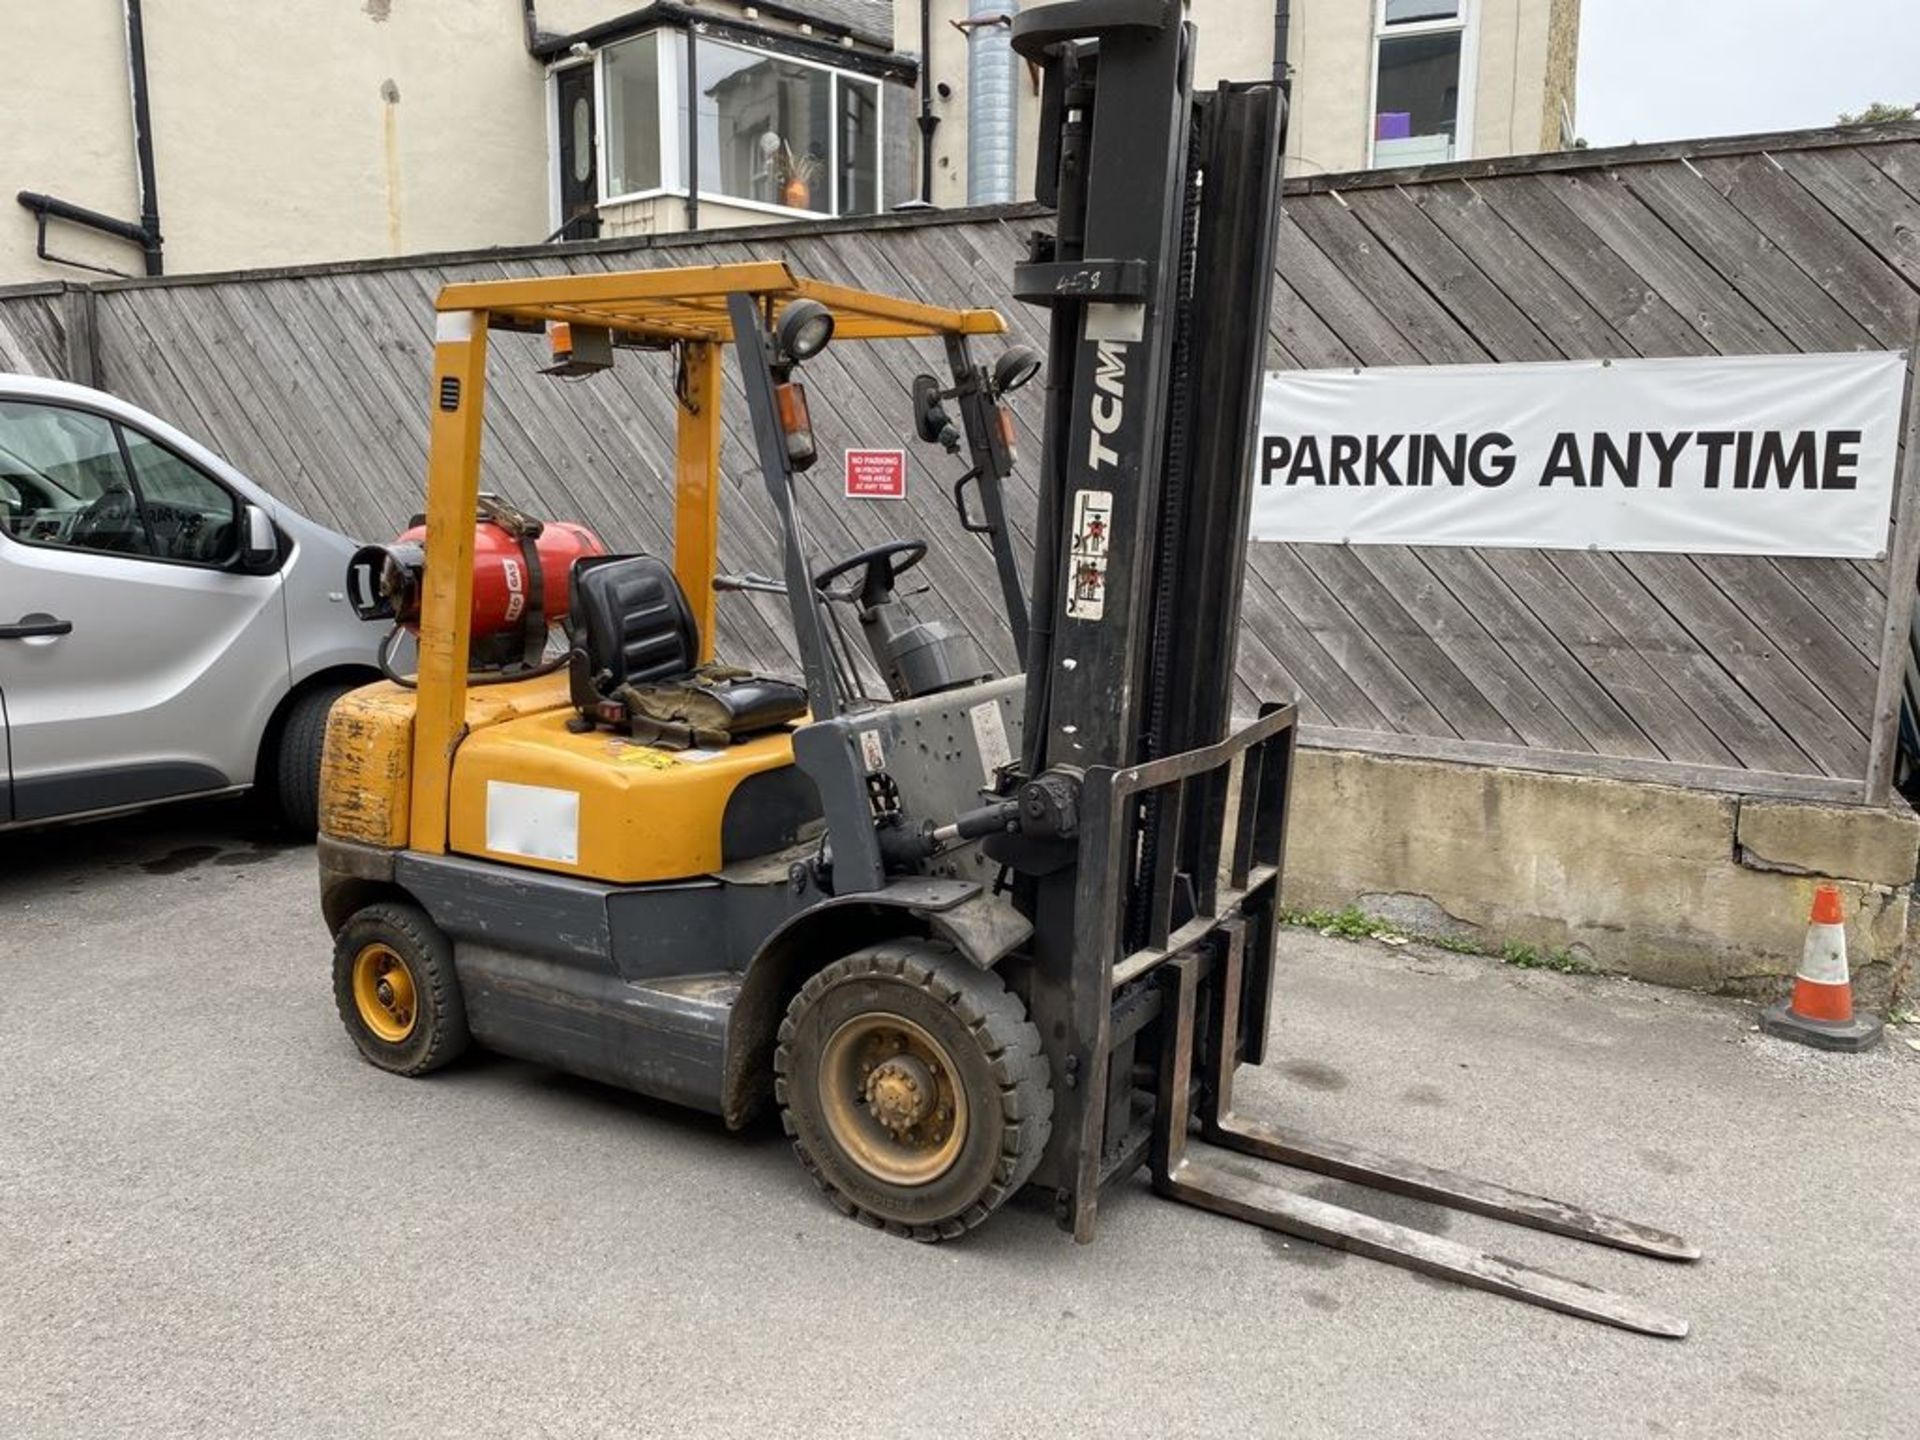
x=167, y=628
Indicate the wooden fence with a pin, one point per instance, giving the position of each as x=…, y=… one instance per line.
x=1756, y=675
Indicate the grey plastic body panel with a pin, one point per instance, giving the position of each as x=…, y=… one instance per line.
x=635, y=985
x=668, y=1041
x=941, y=751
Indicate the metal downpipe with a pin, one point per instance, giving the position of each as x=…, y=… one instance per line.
x=993, y=121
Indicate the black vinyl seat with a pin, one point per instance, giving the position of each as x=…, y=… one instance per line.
x=633, y=619
x=635, y=633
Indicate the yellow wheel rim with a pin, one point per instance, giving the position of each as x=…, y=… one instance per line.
x=384, y=992
x=892, y=1099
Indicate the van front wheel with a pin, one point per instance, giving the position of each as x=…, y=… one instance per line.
x=295, y=773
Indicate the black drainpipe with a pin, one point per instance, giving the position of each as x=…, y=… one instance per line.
x=1282, y=25
x=146, y=234
x=693, y=132
x=930, y=122
x=143, y=135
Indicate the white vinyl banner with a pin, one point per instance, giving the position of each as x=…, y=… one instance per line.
x=1733, y=455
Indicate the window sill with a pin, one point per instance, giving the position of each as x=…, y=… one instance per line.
x=779, y=212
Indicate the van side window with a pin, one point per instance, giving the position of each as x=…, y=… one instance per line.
x=64, y=482
x=78, y=481
x=190, y=515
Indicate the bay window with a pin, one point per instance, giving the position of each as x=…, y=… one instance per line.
x=772, y=130
x=1421, y=82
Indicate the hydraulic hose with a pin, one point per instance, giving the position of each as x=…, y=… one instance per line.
x=474, y=677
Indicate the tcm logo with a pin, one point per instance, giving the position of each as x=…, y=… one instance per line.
x=1109, y=402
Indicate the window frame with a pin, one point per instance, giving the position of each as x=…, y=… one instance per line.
x=1384, y=26
x=673, y=78
x=667, y=89
x=1467, y=26
x=120, y=426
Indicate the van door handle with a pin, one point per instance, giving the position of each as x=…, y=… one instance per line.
x=32, y=627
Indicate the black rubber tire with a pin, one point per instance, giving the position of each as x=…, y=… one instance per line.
x=984, y=1029
x=296, y=758
x=439, y=1035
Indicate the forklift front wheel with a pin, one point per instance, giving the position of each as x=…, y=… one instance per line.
x=394, y=984
x=914, y=1088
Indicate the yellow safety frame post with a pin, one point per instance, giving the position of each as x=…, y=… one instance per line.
x=446, y=609
x=696, y=505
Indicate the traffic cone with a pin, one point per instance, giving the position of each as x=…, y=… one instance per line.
x=1820, y=1011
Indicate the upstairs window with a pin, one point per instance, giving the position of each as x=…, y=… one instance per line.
x=765, y=128
x=630, y=80
x=1419, y=113
x=772, y=130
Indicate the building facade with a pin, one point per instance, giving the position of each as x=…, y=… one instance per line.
x=315, y=130
x=1375, y=82
x=199, y=135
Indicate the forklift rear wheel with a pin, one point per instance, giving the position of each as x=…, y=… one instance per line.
x=914, y=1088
x=394, y=983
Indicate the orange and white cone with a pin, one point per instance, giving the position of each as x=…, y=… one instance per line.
x=1820, y=1010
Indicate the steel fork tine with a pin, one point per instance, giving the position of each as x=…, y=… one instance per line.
x=1197, y=1181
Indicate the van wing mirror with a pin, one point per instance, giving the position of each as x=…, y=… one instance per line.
x=259, y=541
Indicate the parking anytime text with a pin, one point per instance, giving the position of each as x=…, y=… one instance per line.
x=1708, y=459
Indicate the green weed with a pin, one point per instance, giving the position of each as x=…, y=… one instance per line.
x=1353, y=923
x=1527, y=957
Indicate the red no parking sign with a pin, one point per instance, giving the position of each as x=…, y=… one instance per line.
x=876, y=474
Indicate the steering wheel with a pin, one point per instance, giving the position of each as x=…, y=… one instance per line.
x=880, y=571
x=114, y=514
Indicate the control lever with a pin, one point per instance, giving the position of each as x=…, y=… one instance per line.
x=993, y=819
x=759, y=584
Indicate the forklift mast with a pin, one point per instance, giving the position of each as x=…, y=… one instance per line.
x=1150, y=842
x=1140, y=546
x=1144, y=497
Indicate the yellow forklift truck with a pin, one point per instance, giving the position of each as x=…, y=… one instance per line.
x=970, y=934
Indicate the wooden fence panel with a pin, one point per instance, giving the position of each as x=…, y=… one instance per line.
x=33, y=331
x=1756, y=674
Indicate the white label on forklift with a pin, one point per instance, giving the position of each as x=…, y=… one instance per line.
x=453, y=325
x=1087, y=568
x=1116, y=322
x=873, y=751
x=536, y=822
x=990, y=734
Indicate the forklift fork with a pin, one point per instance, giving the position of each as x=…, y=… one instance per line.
x=1197, y=1178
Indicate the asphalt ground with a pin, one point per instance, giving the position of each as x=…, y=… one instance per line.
x=216, y=1220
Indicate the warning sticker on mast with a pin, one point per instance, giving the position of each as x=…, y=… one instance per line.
x=1087, y=557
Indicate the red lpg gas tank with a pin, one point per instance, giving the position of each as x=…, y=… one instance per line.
x=384, y=581
x=502, y=586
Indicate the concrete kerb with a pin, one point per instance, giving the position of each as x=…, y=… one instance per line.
x=1680, y=887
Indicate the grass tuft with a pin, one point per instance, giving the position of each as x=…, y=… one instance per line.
x=1527, y=957
x=1353, y=923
